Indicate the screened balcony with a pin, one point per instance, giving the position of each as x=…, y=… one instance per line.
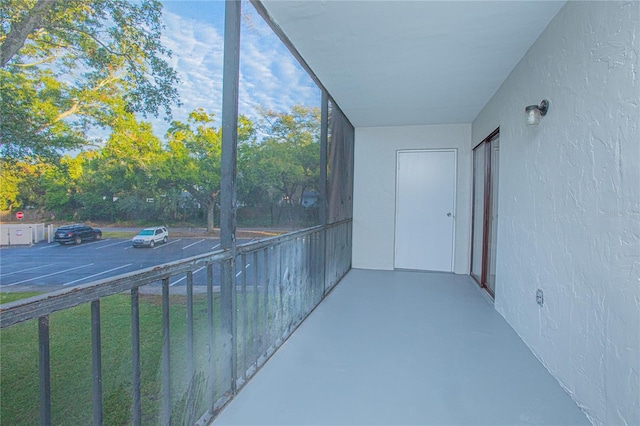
x=296, y=343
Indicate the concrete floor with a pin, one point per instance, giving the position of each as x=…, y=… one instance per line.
x=403, y=348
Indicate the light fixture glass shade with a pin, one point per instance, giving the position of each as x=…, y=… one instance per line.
x=533, y=115
x=534, y=112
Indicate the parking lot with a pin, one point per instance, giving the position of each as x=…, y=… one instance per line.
x=49, y=266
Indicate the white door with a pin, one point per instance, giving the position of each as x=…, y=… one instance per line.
x=425, y=210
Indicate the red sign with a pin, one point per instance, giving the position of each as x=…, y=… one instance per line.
x=19, y=215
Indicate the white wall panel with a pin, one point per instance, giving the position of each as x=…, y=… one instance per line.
x=569, y=209
x=375, y=189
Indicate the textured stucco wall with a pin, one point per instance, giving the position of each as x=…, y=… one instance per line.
x=569, y=212
x=374, y=200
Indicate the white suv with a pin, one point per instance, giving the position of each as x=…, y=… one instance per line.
x=148, y=237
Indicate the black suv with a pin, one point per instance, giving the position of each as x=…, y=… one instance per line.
x=76, y=234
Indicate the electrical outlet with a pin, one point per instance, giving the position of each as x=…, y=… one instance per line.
x=540, y=297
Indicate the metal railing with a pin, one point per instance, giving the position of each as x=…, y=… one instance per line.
x=201, y=361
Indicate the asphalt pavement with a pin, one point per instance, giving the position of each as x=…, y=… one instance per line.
x=50, y=266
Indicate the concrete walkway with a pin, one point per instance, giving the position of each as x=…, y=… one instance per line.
x=403, y=348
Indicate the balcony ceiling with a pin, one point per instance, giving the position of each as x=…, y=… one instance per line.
x=393, y=63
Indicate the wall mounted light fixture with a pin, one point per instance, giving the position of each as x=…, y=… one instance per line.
x=534, y=112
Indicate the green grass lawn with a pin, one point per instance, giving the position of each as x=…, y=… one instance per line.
x=118, y=234
x=70, y=348
x=10, y=297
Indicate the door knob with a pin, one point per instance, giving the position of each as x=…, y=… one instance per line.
x=449, y=214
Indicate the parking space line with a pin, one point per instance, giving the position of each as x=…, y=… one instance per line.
x=48, y=246
x=193, y=244
x=82, y=245
x=98, y=274
x=185, y=277
x=246, y=267
x=25, y=270
x=112, y=244
x=48, y=275
x=215, y=247
x=166, y=244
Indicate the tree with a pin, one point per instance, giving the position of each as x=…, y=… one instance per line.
x=285, y=163
x=28, y=125
x=64, y=62
x=61, y=186
x=194, y=159
x=9, y=189
x=24, y=186
x=127, y=170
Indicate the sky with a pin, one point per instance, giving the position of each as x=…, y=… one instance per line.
x=269, y=75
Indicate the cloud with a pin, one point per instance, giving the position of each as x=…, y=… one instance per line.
x=269, y=75
x=197, y=56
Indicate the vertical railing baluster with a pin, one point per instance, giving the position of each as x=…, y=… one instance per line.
x=245, y=318
x=290, y=260
x=212, y=359
x=313, y=242
x=190, y=364
x=301, y=274
x=326, y=250
x=329, y=248
x=166, y=354
x=306, y=270
x=315, y=254
x=45, y=371
x=323, y=253
x=256, y=304
x=267, y=279
x=306, y=249
x=312, y=266
x=288, y=295
x=274, y=306
x=293, y=261
x=297, y=263
x=229, y=318
x=319, y=257
x=96, y=354
x=136, y=409
x=296, y=268
x=280, y=285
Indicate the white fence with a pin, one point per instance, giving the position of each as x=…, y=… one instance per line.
x=21, y=234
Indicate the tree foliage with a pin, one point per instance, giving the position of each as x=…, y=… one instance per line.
x=68, y=65
x=24, y=186
x=28, y=125
x=120, y=177
x=285, y=163
x=9, y=188
x=135, y=175
x=194, y=162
